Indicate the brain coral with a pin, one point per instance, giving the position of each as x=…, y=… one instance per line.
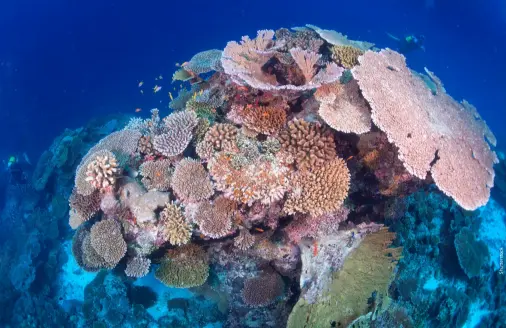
x=191, y=182
x=309, y=143
x=184, y=267
x=432, y=131
x=320, y=191
x=173, y=226
x=108, y=242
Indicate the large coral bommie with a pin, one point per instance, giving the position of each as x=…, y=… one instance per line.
x=264, y=164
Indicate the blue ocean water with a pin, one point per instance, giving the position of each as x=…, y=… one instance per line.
x=69, y=64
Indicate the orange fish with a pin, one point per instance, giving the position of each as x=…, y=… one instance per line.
x=137, y=110
x=349, y=158
x=315, y=248
x=259, y=230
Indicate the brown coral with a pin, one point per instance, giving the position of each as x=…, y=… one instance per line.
x=320, y=191
x=173, y=226
x=263, y=179
x=309, y=143
x=108, y=242
x=82, y=208
x=245, y=240
x=263, y=290
x=157, y=174
x=215, y=220
x=191, y=182
x=264, y=119
x=346, y=56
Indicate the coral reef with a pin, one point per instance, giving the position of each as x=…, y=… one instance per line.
x=276, y=181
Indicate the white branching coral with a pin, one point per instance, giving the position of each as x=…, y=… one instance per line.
x=101, y=172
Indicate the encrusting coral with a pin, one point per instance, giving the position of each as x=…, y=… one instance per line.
x=272, y=157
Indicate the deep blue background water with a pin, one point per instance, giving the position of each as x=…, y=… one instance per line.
x=63, y=62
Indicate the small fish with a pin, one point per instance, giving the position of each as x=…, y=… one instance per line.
x=156, y=88
x=178, y=65
x=138, y=110
x=170, y=96
x=142, y=91
x=160, y=77
x=140, y=83
x=259, y=230
x=315, y=248
x=349, y=158
x=184, y=64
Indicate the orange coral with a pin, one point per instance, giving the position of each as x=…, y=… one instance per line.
x=309, y=143
x=264, y=119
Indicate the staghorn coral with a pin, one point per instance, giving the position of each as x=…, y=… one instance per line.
x=263, y=290
x=107, y=241
x=244, y=64
x=179, y=133
x=184, y=267
x=343, y=108
x=157, y=174
x=102, y=171
x=244, y=240
x=123, y=144
x=309, y=143
x=215, y=220
x=320, y=191
x=173, y=226
x=346, y=56
x=191, y=182
x=433, y=132
x=82, y=208
x=306, y=60
x=138, y=267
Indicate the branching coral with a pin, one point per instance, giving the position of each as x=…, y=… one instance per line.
x=263, y=290
x=343, y=108
x=309, y=143
x=339, y=39
x=173, y=226
x=433, y=132
x=220, y=137
x=108, y=242
x=138, y=267
x=245, y=240
x=308, y=226
x=102, y=171
x=306, y=60
x=184, y=267
x=191, y=182
x=320, y=191
x=179, y=133
x=157, y=174
x=244, y=64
